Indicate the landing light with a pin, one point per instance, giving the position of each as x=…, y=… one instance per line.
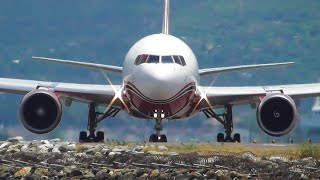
x=162, y=115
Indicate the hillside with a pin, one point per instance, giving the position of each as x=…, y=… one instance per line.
x=221, y=33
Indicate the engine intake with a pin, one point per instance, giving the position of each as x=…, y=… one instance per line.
x=40, y=111
x=277, y=114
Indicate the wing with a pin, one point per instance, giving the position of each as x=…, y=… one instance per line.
x=100, y=94
x=220, y=96
x=116, y=69
x=203, y=72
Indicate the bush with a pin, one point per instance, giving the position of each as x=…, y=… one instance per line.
x=309, y=150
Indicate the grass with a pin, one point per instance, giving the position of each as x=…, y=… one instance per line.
x=309, y=150
x=290, y=151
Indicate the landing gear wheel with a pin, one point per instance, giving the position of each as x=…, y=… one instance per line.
x=163, y=138
x=99, y=137
x=237, y=138
x=153, y=138
x=83, y=137
x=220, y=137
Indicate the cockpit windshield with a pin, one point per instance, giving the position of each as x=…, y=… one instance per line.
x=153, y=59
x=167, y=59
x=144, y=58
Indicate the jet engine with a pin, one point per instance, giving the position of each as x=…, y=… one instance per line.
x=277, y=114
x=40, y=111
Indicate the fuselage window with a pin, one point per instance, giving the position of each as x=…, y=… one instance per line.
x=153, y=59
x=166, y=59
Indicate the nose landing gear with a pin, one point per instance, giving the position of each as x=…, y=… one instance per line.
x=158, y=137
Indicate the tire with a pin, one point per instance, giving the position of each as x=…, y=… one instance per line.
x=237, y=138
x=100, y=136
x=163, y=138
x=153, y=138
x=83, y=137
x=220, y=137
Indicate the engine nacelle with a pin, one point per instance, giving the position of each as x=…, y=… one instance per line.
x=277, y=114
x=40, y=111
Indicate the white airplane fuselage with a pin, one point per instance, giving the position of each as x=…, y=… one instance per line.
x=157, y=85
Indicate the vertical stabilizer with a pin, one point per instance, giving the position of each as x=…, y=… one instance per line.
x=166, y=11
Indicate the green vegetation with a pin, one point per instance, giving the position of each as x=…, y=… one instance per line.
x=309, y=150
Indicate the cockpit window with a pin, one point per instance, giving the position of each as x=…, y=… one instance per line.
x=177, y=60
x=145, y=58
x=141, y=59
x=183, y=62
x=167, y=59
x=153, y=59
x=137, y=61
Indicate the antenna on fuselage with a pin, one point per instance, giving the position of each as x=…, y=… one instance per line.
x=166, y=11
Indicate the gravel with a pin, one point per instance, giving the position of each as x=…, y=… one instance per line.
x=56, y=159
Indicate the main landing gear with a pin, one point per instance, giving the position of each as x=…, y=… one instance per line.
x=93, y=120
x=226, y=120
x=158, y=137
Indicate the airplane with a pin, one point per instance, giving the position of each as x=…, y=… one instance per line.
x=160, y=81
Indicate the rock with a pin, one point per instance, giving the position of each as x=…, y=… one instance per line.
x=210, y=174
x=220, y=175
x=15, y=139
x=55, y=140
x=116, y=173
x=31, y=177
x=14, y=148
x=162, y=148
x=140, y=172
x=97, y=154
x=105, y=151
x=111, y=154
x=144, y=176
x=173, y=154
x=88, y=176
x=249, y=156
x=203, y=171
x=43, y=149
x=90, y=151
x=63, y=148
x=76, y=172
x=103, y=174
x=41, y=172
x=278, y=159
x=22, y=172
x=120, y=149
x=71, y=147
x=155, y=152
x=234, y=174
x=128, y=175
x=45, y=142
x=154, y=173
x=56, y=150
x=24, y=149
x=5, y=145
x=194, y=175
x=304, y=177
x=138, y=148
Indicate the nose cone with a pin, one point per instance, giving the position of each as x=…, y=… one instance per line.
x=159, y=81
